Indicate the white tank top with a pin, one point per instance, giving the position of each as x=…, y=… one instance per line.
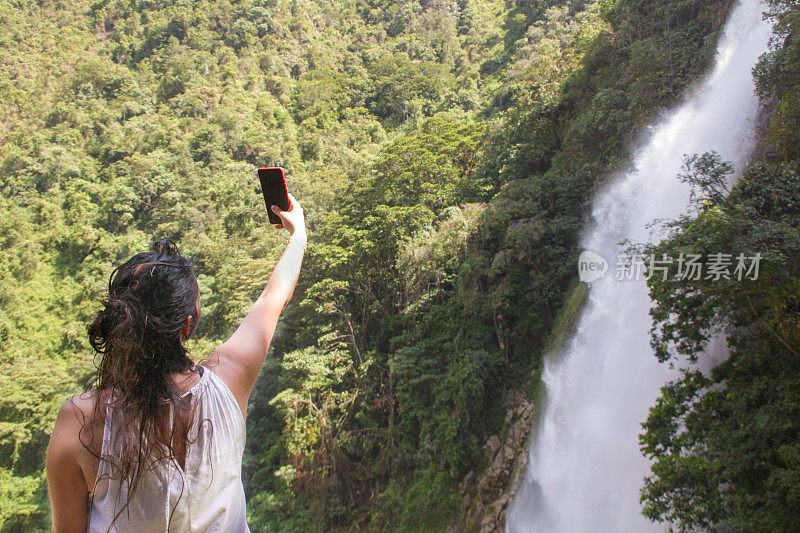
x=206, y=496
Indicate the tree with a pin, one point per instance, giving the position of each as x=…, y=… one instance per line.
x=725, y=446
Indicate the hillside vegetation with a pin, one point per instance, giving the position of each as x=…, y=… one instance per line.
x=446, y=153
x=726, y=443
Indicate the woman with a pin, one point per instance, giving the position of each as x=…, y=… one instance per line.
x=157, y=442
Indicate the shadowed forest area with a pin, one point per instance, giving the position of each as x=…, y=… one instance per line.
x=446, y=154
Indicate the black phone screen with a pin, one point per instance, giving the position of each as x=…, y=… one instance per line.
x=273, y=186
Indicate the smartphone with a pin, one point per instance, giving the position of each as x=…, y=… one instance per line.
x=273, y=186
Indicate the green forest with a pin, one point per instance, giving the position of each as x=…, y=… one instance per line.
x=446, y=153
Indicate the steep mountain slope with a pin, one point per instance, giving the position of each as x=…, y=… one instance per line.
x=446, y=153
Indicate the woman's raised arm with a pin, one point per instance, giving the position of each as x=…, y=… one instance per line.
x=238, y=361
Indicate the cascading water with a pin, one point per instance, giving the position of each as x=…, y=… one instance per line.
x=586, y=468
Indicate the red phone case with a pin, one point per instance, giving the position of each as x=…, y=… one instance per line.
x=273, y=187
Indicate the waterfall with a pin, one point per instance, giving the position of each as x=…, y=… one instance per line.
x=585, y=467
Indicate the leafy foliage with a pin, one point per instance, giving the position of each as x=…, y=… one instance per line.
x=725, y=442
x=446, y=154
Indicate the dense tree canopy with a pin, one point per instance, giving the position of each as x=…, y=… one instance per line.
x=446, y=153
x=726, y=442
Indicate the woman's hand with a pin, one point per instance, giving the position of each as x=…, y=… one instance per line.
x=293, y=219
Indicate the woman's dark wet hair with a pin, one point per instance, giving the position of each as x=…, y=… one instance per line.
x=137, y=336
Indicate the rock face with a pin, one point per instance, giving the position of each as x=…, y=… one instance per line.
x=763, y=148
x=488, y=492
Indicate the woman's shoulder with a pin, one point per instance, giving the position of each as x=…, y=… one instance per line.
x=77, y=408
x=81, y=408
x=77, y=436
x=79, y=424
